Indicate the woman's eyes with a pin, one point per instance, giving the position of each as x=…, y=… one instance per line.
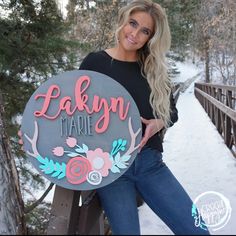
x=146, y=31
x=134, y=24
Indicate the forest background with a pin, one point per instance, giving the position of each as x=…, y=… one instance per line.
x=37, y=41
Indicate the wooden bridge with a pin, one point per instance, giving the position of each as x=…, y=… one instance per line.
x=219, y=101
x=80, y=213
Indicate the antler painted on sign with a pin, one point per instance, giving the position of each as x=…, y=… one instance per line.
x=33, y=142
x=133, y=135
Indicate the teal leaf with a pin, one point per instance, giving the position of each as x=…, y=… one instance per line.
x=114, y=144
x=85, y=148
x=42, y=167
x=55, y=174
x=115, y=169
x=121, y=165
x=125, y=157
x=49, y=168
x=48, y=171
x=111, y=158
x=54, y=168
x=63, y=166
x=58, y=166
x=124, y=143
x=80, y=150
x=72, y=154
x=41, y=159
x=62, y=175
x=51, y=164
x=117, y=157
x=120, y=141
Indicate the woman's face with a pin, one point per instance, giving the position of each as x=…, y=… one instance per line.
x=137, y=31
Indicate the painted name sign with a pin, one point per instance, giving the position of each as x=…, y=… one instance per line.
x=81, y=130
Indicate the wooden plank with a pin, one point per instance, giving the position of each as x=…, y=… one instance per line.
x=228, y=111
x=225, y=87
x=227, y=137
x=65, y=208
x=91, y=218
x=69, y=218
x=234, y=138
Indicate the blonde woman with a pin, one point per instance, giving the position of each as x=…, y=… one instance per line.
x=138, y=63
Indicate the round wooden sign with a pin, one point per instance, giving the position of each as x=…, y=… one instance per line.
x=81, y=130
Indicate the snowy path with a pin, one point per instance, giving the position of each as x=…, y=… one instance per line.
x=197, y=155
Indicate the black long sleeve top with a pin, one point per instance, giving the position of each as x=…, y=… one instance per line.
x=128, y=74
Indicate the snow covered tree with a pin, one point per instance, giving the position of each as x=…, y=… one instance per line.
x=11, y=204
x=33, y=46
x=214, y=38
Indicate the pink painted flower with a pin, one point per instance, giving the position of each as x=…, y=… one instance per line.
x=100, y=161
x=77, y=170
x=58, y=151
x=71, y=142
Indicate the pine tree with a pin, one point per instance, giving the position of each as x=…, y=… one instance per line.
x=181, y=17
x=32, y=48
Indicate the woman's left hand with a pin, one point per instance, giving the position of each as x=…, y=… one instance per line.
x=152, y=127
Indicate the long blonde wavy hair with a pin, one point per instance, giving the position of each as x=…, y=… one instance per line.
x=152, y=55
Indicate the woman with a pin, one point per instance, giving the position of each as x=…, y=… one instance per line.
x=138, y=63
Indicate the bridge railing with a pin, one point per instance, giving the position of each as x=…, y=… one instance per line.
x=219, y=101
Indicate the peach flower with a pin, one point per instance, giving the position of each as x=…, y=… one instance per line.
x=58, y=151
x=100, y=161
x=71, y=142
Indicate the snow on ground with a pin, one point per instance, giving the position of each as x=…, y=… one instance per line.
x=187, y=71
x=198, y=157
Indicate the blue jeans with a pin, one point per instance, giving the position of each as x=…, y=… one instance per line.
x=150, y=177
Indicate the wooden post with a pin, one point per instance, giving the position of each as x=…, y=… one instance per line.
x=68, y=217
x=65, y=211
x=91, y=218
x=228, y=120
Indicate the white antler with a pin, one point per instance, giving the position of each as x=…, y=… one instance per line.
x=133, y=135
x=33, y=141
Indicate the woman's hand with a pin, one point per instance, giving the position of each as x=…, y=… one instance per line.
x=152, y=127
x=20, y=141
